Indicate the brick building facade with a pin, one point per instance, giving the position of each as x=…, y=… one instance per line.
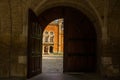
x=53, y=38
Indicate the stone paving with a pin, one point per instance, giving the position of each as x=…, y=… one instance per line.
x=66, y=76
x=52, y=64
x=52, y=69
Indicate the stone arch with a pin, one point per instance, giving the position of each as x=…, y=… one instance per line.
x=86, y=7
x=89, y=10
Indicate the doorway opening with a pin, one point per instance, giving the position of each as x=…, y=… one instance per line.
x=80, y=41
x=52, y=47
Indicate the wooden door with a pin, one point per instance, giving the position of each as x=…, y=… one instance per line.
x=34, y=45
x=80, y=43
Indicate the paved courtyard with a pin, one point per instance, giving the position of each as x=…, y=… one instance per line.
x=52, y=69
x=52, y=64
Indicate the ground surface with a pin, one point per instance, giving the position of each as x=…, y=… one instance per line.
x=52, y=64
x=52, y=69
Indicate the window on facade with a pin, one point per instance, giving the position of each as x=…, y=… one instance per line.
x=51, y=39
x=46, y=49
x=46, y=39
x=46, y=32
x=51, y=33
x=51, y=49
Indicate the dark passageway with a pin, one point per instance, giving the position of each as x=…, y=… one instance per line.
x=91, y=40
x=80, y=40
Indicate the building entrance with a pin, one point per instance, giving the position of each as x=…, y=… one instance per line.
x=79, y=41
x=52, y=59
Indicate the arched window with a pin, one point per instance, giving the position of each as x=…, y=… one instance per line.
x=51, y=33
x=51, y=38
x=51, y=49
x=46, y=49
x=46, y=32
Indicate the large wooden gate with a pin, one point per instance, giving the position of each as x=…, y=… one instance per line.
x=34, y=45
x=80, y=42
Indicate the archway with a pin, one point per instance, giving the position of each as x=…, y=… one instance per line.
x=75, y=23
x=80, y=38
x=51, y=49
x=52, y=60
